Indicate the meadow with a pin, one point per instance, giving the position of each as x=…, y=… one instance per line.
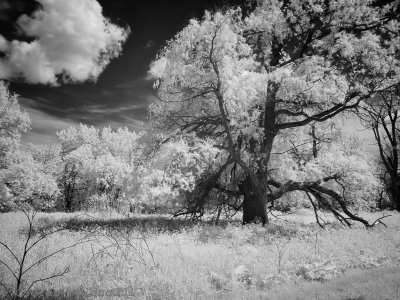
x=154, y=257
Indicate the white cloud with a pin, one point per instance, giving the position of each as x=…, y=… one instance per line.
x=3, y=43
x=72, y=39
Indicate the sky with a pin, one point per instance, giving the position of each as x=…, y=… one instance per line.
x=49, y=54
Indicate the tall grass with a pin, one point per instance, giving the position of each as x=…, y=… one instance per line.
x=152, y=257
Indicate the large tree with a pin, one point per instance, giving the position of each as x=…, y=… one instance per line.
x=244, y=81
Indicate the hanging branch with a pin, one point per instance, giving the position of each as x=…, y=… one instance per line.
x=315, y=210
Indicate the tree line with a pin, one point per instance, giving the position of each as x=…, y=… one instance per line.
x=248, y=116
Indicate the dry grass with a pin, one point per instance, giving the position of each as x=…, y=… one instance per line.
x=151, y=257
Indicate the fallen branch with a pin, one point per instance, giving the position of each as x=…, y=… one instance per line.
x=379, y=221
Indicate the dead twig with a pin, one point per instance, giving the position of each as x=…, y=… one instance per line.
x=379, y=221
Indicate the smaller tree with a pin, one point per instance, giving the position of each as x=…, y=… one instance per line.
x=381, y=114
x=169, y=179
x=97, y=165
x=78, y=181
x=21, y=263
x=30, y=181
x=13, y=122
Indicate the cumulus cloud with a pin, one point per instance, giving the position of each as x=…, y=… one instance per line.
x=3, y=44
x=73, y=42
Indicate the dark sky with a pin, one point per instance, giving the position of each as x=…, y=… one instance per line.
x=122, y=92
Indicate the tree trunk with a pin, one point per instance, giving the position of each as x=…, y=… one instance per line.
x=395, y=193
x=68, y=198
x=253, y=203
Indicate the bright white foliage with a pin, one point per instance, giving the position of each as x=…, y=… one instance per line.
x=13, y=121
x=31, y=179
x=105, y=161
x=217, y=53
x=175, y=170
x=340, y=156
x=185, y=76
x=217, y=66
x=314, y=80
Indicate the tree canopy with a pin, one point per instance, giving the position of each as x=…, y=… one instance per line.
x=245, y=80
x=13, y=122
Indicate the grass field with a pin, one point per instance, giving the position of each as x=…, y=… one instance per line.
x=152, y=257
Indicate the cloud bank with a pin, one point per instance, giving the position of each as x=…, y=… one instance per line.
x=73, y=42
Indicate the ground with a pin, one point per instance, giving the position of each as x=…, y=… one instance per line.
x=153, y=257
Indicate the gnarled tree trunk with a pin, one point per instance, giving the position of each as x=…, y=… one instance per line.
x=253, y=203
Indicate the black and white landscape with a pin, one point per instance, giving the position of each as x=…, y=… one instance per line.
x=240, y=149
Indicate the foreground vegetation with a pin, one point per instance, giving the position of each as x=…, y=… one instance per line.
x=153, y=257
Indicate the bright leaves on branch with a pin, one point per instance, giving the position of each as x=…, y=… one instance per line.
x=243, y=80
x=13, y=122
x=97, y=164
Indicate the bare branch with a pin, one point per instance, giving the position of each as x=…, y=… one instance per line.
x=379, y=221
x=55, y=275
